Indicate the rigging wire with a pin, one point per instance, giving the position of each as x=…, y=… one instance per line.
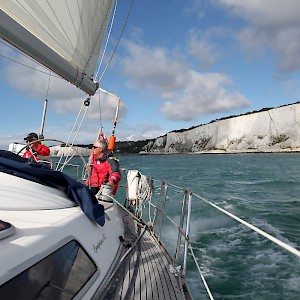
x=254, y=228
x=108, y=38
x=106, y=67
x=112, y=138
x=69, y=157
x=24, y=65
x=28, y=57
x=100, y=113
x=115, y=49
x=69, y=138
x=187, y=237
x=100, y=31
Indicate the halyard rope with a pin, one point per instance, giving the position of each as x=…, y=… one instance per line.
x=115, y=49
x=107, y=40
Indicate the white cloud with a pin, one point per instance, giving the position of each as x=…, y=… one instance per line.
x=288, y=49
x=63, y=97
x=266, y=13
x=139, y=132
x=205, y=45
x=203, y=51
x=188, y=92
x=105, y=108
x=204, y=94
x=272, y=27
x=154, y=67
x=35, y=84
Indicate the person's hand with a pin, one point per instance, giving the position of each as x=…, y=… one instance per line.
x=34, y=152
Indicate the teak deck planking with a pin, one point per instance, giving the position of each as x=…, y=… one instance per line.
x=144, y=274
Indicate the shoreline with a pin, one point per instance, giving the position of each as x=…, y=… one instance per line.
x=209, y=152
x=296, y=150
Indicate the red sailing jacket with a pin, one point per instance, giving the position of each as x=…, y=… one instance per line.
x=103, y=170
x=39, y=150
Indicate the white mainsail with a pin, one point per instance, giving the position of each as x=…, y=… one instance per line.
x=64, y=35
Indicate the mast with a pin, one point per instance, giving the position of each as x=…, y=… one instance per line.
x=44, y=117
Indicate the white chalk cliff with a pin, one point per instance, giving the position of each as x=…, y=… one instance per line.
x=69, y=151
x=273, y=130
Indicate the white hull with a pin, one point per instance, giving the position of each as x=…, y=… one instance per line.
x=46, y=221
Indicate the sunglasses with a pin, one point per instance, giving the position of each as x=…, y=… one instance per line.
x=95, y=147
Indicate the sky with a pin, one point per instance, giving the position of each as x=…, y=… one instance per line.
x=179, y=63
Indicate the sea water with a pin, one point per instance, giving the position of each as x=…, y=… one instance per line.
x=262, y=189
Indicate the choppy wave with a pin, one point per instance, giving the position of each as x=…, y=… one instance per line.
x=263, y=189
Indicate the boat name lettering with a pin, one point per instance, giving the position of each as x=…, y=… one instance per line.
x=99, y=243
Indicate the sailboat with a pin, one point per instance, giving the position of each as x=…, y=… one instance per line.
x=57, y=241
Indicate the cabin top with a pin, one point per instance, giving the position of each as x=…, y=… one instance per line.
x=15, y=195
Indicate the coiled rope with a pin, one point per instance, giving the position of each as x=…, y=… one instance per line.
x=145, y=190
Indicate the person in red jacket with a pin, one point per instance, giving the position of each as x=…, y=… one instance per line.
x=35, y=150
x=103, y=168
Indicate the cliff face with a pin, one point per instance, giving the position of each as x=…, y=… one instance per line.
x=63, y=151
x=274, y=130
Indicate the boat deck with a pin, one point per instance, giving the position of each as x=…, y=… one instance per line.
x=144, y=273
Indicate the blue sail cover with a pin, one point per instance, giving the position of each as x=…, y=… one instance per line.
x=13, y=164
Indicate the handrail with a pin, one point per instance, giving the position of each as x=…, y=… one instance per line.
x=159, y=209
x=187, y=233
x=76, y=166
x=254, y=228
x=200, y=272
